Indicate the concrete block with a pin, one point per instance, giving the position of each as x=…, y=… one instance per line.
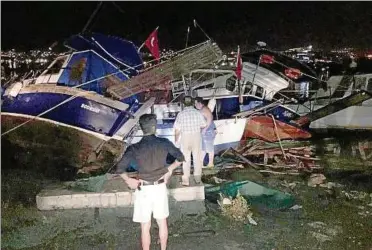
x=94, y=200
x=79, y=201
x=64, y=202
x=124, y=199
x=188, y=193
x=118, y=195
x=46, y=203
x=108, y=200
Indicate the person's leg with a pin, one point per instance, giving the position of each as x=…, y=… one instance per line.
x=211, y=158
x=203, y=152
x=163, y=233
x=185, y=148
x=161, y=212
x=145, y=235
x=142, y=214
x=196, y=152
x=210, y=151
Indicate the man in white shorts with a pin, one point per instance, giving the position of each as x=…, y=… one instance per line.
x=151, y=196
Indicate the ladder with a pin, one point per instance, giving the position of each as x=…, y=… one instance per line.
x=164, y=73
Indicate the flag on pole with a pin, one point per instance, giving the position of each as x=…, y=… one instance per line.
x=153, y=45
x=238, y=72
x=239, y=65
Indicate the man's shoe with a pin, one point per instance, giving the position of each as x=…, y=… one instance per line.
x=197, y=180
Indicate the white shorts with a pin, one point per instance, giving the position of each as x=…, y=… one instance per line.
x=151, y=199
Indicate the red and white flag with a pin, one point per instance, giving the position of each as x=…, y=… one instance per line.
x=239, y=65
x=153, y=45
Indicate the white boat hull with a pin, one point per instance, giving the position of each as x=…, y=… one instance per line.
x=355, y=117
x=229, y=133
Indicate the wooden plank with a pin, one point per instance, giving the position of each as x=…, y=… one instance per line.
x=244, y=159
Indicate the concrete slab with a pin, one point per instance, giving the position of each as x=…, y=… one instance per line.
x=115, y=194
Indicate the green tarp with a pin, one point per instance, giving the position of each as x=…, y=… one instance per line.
x=256, y=195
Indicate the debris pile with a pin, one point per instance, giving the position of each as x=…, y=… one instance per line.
x=236, y=209
x=288, y=157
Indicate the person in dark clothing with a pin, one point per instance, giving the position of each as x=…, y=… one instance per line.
x=151, y=194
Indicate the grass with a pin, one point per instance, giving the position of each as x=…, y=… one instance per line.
x=40, y=147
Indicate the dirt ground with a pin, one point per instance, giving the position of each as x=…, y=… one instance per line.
x=327, y=219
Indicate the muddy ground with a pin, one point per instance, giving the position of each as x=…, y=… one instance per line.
x=328, y=219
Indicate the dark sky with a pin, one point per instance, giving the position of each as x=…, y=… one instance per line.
x=26, y=25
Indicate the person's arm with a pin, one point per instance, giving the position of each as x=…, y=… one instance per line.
x=122, y=166
x=177, y=133
x=208, y=115
x=176, y=153
x=177, y=129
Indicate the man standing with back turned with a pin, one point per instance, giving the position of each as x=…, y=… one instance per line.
x=188, y=125
x=151, y=194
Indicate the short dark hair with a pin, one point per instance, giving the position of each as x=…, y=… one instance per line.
x=199, y=100
x=148, y=123
x=188, y=101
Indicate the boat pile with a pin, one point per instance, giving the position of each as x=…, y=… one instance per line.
x=280, y=158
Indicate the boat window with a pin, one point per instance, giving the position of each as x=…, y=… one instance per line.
x=359, y=82
x=248, y=87
x=259, y=91
x=369, y=85
x=56, y=66
x=231, y=83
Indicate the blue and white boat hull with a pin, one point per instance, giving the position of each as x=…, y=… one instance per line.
x=76, y=108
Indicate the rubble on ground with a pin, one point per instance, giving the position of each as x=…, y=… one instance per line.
x=323, y=232
x=316, y=179
x=236, y=209
x=281, y=158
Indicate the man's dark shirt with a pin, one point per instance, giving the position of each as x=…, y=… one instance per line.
x=150, y=154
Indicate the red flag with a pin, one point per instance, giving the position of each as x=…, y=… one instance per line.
x=292, y=73
x=152, y=44
x=239, y=66
x=267, y=59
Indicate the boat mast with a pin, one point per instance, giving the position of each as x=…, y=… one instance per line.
x=92, y=17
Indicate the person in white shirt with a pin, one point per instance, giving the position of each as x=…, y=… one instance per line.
x=188, y=125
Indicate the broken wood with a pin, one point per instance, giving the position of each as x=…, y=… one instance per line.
x=303, y=158
x=244, y=159
x=278, y=173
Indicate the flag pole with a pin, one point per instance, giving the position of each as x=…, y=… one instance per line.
x=187, y=36
x=239, y=85
x=140, y=47
x=197, y=25
x=258, y=64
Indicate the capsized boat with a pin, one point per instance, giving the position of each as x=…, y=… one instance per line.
x=354, y=116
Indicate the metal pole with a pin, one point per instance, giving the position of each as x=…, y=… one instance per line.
x=254, y=75
x=92, y=17
x=187, y=36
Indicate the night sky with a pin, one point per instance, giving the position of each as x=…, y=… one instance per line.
x=29, y=25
